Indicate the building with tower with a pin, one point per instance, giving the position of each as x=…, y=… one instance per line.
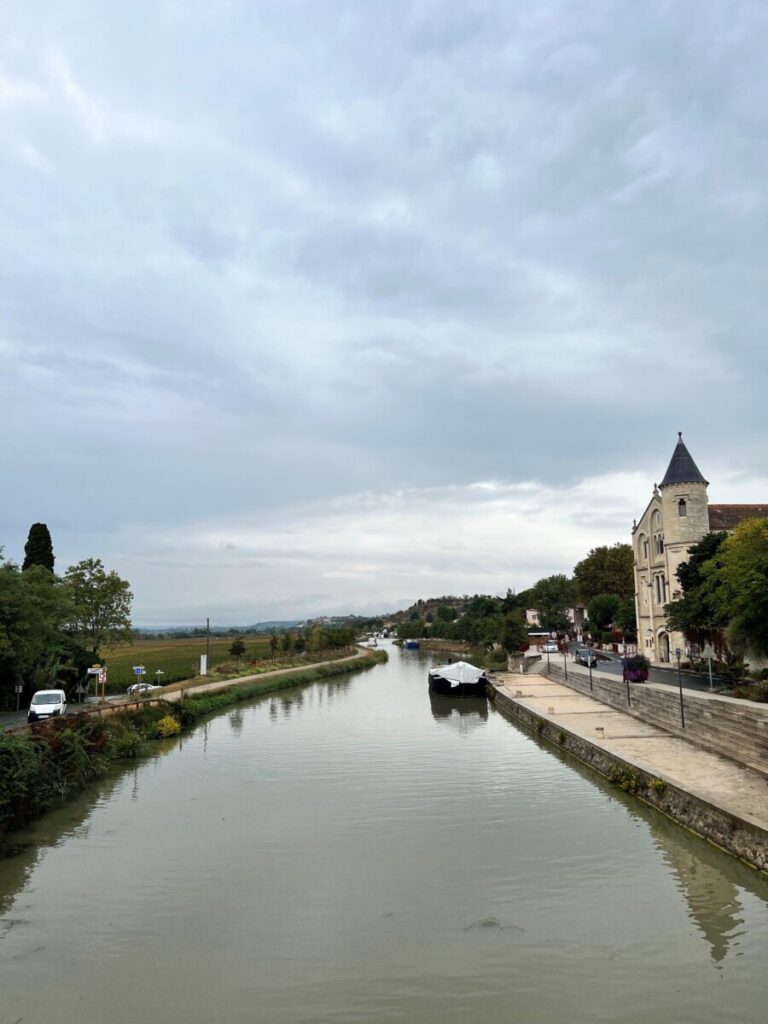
x=677, y=517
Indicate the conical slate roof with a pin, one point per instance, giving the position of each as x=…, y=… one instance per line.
x=682, y=469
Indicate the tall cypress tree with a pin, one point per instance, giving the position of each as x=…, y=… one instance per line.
x=39, y=549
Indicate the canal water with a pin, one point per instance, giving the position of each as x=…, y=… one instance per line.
x=353, y=851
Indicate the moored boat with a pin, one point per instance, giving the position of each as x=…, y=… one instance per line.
x=459, y=679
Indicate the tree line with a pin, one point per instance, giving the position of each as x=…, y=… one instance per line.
x=52, y=627
x=603, y=582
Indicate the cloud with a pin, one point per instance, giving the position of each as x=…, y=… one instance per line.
x=268, y=256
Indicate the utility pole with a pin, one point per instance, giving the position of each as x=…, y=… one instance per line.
x=208, y=641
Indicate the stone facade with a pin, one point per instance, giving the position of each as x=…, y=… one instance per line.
x=677, y=517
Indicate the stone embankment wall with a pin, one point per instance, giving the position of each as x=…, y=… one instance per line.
x=738, y=729
x=734, y=835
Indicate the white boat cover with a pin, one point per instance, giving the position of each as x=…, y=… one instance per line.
x=459, y=672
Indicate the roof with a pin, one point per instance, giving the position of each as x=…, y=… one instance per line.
x=726, y=517
x=682, y=469
x=459, y=672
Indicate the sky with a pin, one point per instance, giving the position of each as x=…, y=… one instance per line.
x=321, y=306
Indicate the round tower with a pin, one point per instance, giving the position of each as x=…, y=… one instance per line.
x=684, y=513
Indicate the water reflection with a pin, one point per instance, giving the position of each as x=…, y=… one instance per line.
x=711, y=896
x=709, y=881
x=461, y=713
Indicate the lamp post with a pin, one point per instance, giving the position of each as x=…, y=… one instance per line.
x=589, y=663
x=680, y=686
x=565, y=661
x=625, y=674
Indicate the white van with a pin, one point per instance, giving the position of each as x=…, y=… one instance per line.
x=47, y=704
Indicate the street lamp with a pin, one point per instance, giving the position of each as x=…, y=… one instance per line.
x=565, y=661
x=589, y=663
x=678, y=652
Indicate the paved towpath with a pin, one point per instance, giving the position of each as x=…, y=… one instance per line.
x=712, y=778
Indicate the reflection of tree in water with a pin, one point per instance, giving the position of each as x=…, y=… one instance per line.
x=461, y=713
x=21, y=852
x=236, y=719
x=709, y=880
x=711, y=895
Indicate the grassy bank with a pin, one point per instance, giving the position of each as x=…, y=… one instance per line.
x=42, y=766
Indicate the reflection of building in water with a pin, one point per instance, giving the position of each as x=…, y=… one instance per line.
x=460, y=713
x=712, y=898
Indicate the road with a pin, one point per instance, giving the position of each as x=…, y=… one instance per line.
x=609, y=662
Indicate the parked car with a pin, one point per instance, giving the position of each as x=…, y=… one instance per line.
x=550, y=647
x=138, y=688
x=584, y=656
x=47, y=704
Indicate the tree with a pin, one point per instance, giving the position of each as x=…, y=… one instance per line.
x=514, y=631
x=605, y=570
x=39, y=549
x=33, y=608
x=273, y=645
x=237, y=649
x=552, y=597
x=602, y=611
x=100, y=605
x=698, y=613
x=743, y=592
x=286, y=643
x=626, y=618
x=445, y=613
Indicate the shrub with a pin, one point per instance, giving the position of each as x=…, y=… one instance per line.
x=168, y=726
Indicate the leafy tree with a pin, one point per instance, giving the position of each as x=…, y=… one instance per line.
x=237, y=649
x=286, y=643
x=482, y=606
x=743, y=592
x=602, y=610
x=514, y=631
x=552, y=597
x=39, y=548
x=605, y=570
x=100, y=605
x=445, y=613
x=33, y=608
x=698, y=613
x=626, y=618
x=273, y=645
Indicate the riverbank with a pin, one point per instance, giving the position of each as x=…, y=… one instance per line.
x=42, y=766
x=721, y=801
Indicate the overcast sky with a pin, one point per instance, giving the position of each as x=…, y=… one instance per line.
x=313, y=306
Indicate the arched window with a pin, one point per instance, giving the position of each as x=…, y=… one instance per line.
x=682, y=508
x=642, y=546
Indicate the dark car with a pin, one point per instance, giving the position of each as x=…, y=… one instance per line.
x=584, y=656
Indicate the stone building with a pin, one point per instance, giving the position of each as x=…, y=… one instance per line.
x=677, y=517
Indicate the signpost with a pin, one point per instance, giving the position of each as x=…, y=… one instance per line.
x=18, y=695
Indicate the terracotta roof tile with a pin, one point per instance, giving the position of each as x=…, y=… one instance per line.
x=725, y=517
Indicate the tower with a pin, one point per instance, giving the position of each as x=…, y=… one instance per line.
x=675, y=519
x=684, y=511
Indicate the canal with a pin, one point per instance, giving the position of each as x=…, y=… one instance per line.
x=352, y=851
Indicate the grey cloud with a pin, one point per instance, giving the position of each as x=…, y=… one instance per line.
x=303, y=249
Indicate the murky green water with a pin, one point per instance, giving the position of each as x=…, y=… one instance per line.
x=353, y=852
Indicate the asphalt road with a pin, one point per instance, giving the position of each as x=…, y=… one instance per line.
x=609, y=662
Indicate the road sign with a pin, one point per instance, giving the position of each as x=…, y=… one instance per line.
x=19, y=689
x=102, y=676
x=139, y=670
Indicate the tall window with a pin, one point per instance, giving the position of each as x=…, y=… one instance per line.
x=682, y=508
